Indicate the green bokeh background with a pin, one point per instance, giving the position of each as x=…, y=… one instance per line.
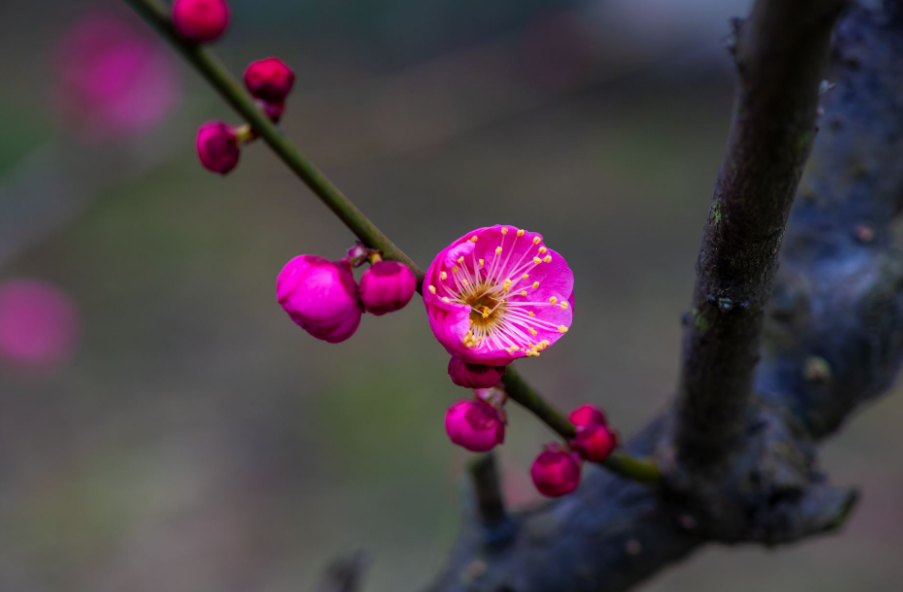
x=198, y=441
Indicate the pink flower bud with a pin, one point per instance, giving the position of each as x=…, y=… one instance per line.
x=556, y=471
x=269, y=79
x=274, y=111
x=201, y=21
x=217, y=147
x=387, y=286
x=39, y=324
x=474, y=425
x=587, y=415
x=475, y=376
x=595, y=442
x=320, y=296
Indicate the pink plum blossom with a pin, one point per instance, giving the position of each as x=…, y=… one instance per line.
x=113, y=79
x=475, y=425
x=556, y=471
x=497, y=294
x=320, y=296
x=39, y=324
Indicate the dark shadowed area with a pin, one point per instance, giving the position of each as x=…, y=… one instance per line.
x=188, y=437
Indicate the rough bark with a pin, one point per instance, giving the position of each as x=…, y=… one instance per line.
x=832, y=341
x=780, y=52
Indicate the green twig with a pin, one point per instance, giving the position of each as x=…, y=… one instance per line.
x=232, y=91
x=619, y=462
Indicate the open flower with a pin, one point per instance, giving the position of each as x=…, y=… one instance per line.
x=497, y=294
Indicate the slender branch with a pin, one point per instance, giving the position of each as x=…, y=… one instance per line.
x=206, y=63
x=619, y=462
x=780, y=52
x=484, y=476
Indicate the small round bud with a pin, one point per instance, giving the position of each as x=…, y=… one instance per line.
x=595, y=442
x=587, y=415
x=274, y=111
x=475, y=376
x=320, y=296
x=217, y=146
x=387, y=286
x=556, y=471
x=201, y=21
x=474, y=425
x=269, y=80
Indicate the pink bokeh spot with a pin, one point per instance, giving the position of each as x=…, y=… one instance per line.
x=497, y=294
x=113, y=80
x=39, y=324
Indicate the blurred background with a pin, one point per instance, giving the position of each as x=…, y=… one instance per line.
x=165, y=427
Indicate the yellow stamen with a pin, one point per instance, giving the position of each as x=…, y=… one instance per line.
x=498, y=250
x=473, y=239
x=536, y=240
x=542, y=249
x=461, y=259
x=443, y=276
x=523, y=293
x=432, y=289
x=553, y=300
x=482, y=262
x=535, y=285
x=548, y=258
x=445, y=299
x=537, y=260
x=563, y=305
x=520, y=233
x=504, y=230
x=562, y=329
x=526, y=275
x=531, y=314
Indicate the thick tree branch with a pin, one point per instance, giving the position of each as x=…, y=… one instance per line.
x=780, y=53
x=832, y=342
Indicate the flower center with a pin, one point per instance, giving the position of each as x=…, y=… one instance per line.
x=486, y=309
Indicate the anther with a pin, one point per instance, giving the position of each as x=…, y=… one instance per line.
x=520, y=232
x=537, y=260
x=432, y=289
x=562, y=329
x=547, y=259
